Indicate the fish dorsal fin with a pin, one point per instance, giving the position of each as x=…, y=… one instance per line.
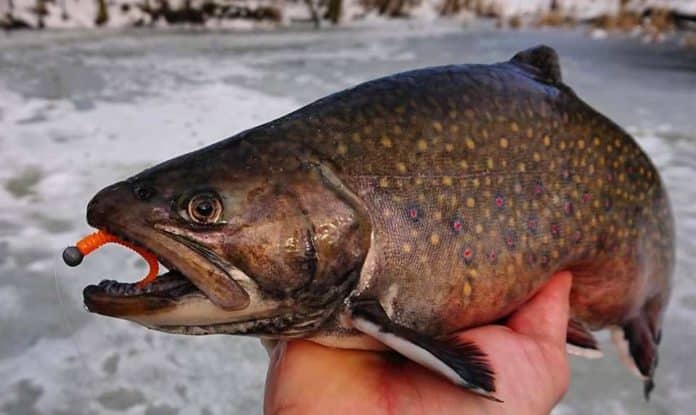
x=540, y=61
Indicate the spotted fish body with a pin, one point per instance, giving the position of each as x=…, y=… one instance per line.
x=483, y=180
x=443, y=198
x=480, y=182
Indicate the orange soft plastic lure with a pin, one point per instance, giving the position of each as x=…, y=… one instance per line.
x=73, y=255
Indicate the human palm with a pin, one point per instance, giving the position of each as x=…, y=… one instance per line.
x=527, y=353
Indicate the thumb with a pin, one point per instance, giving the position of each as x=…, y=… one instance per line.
x=545, y=317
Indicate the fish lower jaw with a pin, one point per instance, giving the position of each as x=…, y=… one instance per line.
x=171, y=284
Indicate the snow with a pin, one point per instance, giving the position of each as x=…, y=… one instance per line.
x=80, y=110
x=65, y=14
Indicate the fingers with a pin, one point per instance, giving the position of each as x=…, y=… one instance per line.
x=306, y=378
x=545, y=317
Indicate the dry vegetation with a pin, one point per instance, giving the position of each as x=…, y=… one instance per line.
x=653, y=23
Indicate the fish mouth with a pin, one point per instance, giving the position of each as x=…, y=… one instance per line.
x=121, y=299
x=197, y=288
x=176, y=303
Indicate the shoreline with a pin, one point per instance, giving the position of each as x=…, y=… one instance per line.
x=654, y=18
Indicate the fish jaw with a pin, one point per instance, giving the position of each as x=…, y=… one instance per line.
x=195, y=272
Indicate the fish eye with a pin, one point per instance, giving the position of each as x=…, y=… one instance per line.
x=204, y=208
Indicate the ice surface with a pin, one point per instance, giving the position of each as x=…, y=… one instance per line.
x=79, y=111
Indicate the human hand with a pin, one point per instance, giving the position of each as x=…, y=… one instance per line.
x=528, y=355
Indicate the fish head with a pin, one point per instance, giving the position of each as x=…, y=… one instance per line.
x=262, y=245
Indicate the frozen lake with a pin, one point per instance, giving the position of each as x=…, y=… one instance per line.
x=80, y=110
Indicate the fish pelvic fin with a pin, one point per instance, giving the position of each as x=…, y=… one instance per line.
x=580, y=342
x=463, y=363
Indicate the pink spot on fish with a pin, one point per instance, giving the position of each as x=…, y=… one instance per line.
x=499, y=201
x=468, y=255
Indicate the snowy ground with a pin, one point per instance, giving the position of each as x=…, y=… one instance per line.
x=68, y=14
x=80, y=110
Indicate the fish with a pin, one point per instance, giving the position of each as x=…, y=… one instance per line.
x=400, y=211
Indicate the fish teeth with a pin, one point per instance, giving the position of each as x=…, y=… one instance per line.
x=167, y=282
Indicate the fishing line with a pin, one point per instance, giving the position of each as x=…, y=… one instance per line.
x=71, y=328
x=180, y=368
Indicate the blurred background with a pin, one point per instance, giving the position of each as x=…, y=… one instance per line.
x=92, y=91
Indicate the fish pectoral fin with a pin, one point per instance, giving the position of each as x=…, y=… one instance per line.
x=461, y=362
x=580, y=341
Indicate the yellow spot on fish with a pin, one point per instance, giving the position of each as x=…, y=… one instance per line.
x=463, y=164
x=449, y=147
x=476, y=182
x=422, y=145
x=419, y=181
x=401, y=167
x=447, y=181
x=479, y=228
x=470, y=202
x=514, y=127
x=510, y=269
x=437, y=215
x=386, y=141
x=522, y=167
x=581, y=144
x=383, y=182
x=356, y=138
x=466, y=289
x=470, y=144
x=562, y=145
x=434, y=239
x=367, y=129
x=341, y=149
x=503, y=142
x=530, y=133
x=406, y=248
x=547, y=140
x=437, y=126
x=536, y=156
x=473, y=273
x=454, y=129
x=489, y=163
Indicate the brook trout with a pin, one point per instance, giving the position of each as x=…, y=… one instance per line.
x=417, y=205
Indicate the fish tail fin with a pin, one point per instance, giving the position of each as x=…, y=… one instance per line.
x=639, y=342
